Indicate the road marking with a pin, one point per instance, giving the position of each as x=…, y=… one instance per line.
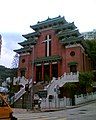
x=62, y=118
x=43, y=118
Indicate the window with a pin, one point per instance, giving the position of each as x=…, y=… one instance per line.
x=72, y=53
x=49, y=36
x=73, y=68
x=23, y=60
x=22, y=73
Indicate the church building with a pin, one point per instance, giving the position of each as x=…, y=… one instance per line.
x=56, y=46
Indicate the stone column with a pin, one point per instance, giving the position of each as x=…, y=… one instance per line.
x=34, y=73
x=59, y=74
x=42, y=71
x=50, y=71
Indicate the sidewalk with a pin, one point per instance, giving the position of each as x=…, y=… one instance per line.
x=20, y=110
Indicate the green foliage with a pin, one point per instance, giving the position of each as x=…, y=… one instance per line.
x=7, y=72
x=86, y=78
x=91, y=49
x=71, y=89
x=70, y=86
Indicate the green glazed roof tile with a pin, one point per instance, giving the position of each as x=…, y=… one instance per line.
x=48, y=59
x=71, y=39
x=65, y=26
x=28, y=42
x=72, y=63
x=49, y=21
x=34, y=34
x=23, y=50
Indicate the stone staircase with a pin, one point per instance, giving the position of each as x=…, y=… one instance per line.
x=56, y=83
x=22, y=91
x=51, y=87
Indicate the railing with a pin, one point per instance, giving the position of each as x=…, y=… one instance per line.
x=55, y=103
x=20, y=81
x=85, y=98
x=20, y=93
x=66, y=77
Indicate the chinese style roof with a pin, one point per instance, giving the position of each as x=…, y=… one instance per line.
x=66, y=32
x=48, y=59
x=23, y=50
x=64, y=27
x=49, y=23
x=71, y=40
x=31, y=35
x=28, y=42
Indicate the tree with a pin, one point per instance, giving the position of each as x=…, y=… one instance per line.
x=7, y=72
x=91, y=49
x=15, y=61
x=85, y=81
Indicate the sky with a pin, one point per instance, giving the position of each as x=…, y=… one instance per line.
x=16, y=16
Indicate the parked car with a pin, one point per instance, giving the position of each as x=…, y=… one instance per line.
x=5, y=110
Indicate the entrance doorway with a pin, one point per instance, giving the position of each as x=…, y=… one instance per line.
x=46, y=73
x=55, y=70
x=73, y=68
x=38, y=73
x=22, y=72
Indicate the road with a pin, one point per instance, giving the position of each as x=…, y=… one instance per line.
x=85, y=112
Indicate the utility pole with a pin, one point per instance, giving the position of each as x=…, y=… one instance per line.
x=32, y=86
x=0, y=44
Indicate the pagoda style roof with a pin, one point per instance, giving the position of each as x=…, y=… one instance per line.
x=48, y=59
x=28, y=42
x=67, y=33
x=23, y=50
x=48, y=23
x=64, y=27
x=72, y=39
x=69, y=36
x=31, y=35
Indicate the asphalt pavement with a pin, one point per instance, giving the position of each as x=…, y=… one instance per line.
x=85, y=111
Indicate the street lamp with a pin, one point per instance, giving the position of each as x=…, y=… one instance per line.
x=32, y=89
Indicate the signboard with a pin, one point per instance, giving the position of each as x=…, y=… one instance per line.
x=42, y=94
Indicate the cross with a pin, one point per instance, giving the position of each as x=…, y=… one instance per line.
x=47, y=42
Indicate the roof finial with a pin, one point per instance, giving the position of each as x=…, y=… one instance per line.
x=59, y=16
x=48, y=18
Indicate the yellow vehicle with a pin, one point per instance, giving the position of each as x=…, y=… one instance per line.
x=5, y=110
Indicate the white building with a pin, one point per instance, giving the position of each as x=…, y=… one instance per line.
x=89, y=35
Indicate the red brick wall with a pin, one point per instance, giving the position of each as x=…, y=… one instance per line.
x=56, y=49
x=40, y=46
x=26, y=65
x=77, y=58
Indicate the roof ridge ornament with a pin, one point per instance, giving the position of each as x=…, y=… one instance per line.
x=48, y=18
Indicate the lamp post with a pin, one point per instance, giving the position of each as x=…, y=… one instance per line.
x=32, y=89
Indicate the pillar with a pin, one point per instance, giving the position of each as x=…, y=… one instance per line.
x=34, y=73
x=59, y=72
x=50, y=71
x=42, y=71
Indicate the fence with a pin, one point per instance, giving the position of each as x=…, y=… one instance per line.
x=85, y=98
x=55, y=103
